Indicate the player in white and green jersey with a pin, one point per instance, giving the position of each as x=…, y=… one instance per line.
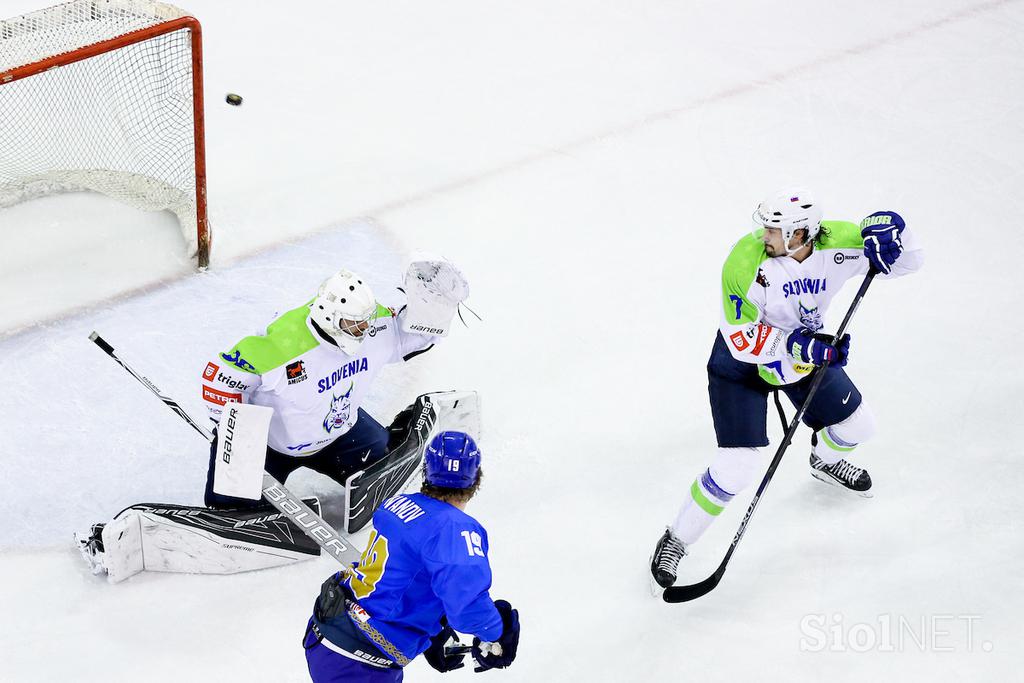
x=777, y=284
x=314, y=366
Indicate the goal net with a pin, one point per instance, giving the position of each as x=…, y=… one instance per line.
x=106, y=95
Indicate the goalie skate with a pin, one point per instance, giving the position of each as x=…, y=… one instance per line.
x=90, y=544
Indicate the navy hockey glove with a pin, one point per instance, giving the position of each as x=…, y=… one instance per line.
x=501, y=653
x=435, y=654
x=331, y=602
x=882, y=245
x=806, y=347
x=842, y=347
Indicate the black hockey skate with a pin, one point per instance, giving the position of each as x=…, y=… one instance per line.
x=843, y=475
x=665, y=561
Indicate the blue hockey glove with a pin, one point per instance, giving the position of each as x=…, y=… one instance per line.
x=435, y=654
x=882, y=245
x=806, y=347
x=842, y=347
x=501, y=653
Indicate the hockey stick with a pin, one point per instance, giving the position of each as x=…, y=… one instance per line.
x=169, y=402
x=312, y=524
x=696, y=590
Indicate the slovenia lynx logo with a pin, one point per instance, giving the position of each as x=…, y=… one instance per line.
x=341, y=407
x=809, y=317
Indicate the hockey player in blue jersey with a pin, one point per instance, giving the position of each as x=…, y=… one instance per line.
x=423, y=576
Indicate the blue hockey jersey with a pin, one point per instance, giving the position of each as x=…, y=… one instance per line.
x=424, y=559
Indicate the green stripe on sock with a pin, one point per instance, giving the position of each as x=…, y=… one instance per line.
x=702, y=500
x=832, y=444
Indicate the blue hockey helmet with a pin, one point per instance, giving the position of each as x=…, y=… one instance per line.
x=452, y=461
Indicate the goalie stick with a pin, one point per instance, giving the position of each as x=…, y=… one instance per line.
x=696, y=590
x=312, y=524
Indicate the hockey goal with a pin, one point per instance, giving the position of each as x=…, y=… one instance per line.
x=106, y=95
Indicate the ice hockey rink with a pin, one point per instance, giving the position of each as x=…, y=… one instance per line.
x=588, y=164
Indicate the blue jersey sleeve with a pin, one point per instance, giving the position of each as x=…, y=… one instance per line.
x=461, y=578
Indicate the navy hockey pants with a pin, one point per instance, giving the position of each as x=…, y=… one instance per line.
x=365, y=443
x=328, y=666
x=739, y=399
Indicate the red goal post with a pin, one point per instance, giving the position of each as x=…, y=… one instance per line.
x=106, y=95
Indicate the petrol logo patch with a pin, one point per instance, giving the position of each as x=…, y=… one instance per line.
x=220, y=398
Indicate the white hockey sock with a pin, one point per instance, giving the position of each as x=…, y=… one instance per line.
x=836, y=442
x=731, y=472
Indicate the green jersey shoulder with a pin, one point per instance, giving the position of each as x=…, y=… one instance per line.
x=287, y=337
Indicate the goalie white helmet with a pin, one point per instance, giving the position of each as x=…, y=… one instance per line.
x=790, y=209
x=344, y=308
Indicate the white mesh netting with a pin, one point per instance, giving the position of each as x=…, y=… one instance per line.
x=120, y=122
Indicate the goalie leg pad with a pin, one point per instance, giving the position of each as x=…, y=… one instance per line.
x=411, y=431
x=193, y=540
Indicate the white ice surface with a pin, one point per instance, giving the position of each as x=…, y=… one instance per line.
x=588, y=164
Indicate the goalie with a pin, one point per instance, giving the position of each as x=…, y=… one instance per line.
x=315, y=364
x=304, y=380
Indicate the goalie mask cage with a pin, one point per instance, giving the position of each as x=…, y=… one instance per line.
x=106, y=95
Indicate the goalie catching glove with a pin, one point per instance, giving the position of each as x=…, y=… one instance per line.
x=434, y=288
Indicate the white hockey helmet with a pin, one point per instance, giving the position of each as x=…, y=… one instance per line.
x=344, y=308
x=790, y=209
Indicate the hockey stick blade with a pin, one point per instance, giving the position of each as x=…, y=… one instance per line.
x=693, y=591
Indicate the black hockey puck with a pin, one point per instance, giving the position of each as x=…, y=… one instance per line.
x=233, y=99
